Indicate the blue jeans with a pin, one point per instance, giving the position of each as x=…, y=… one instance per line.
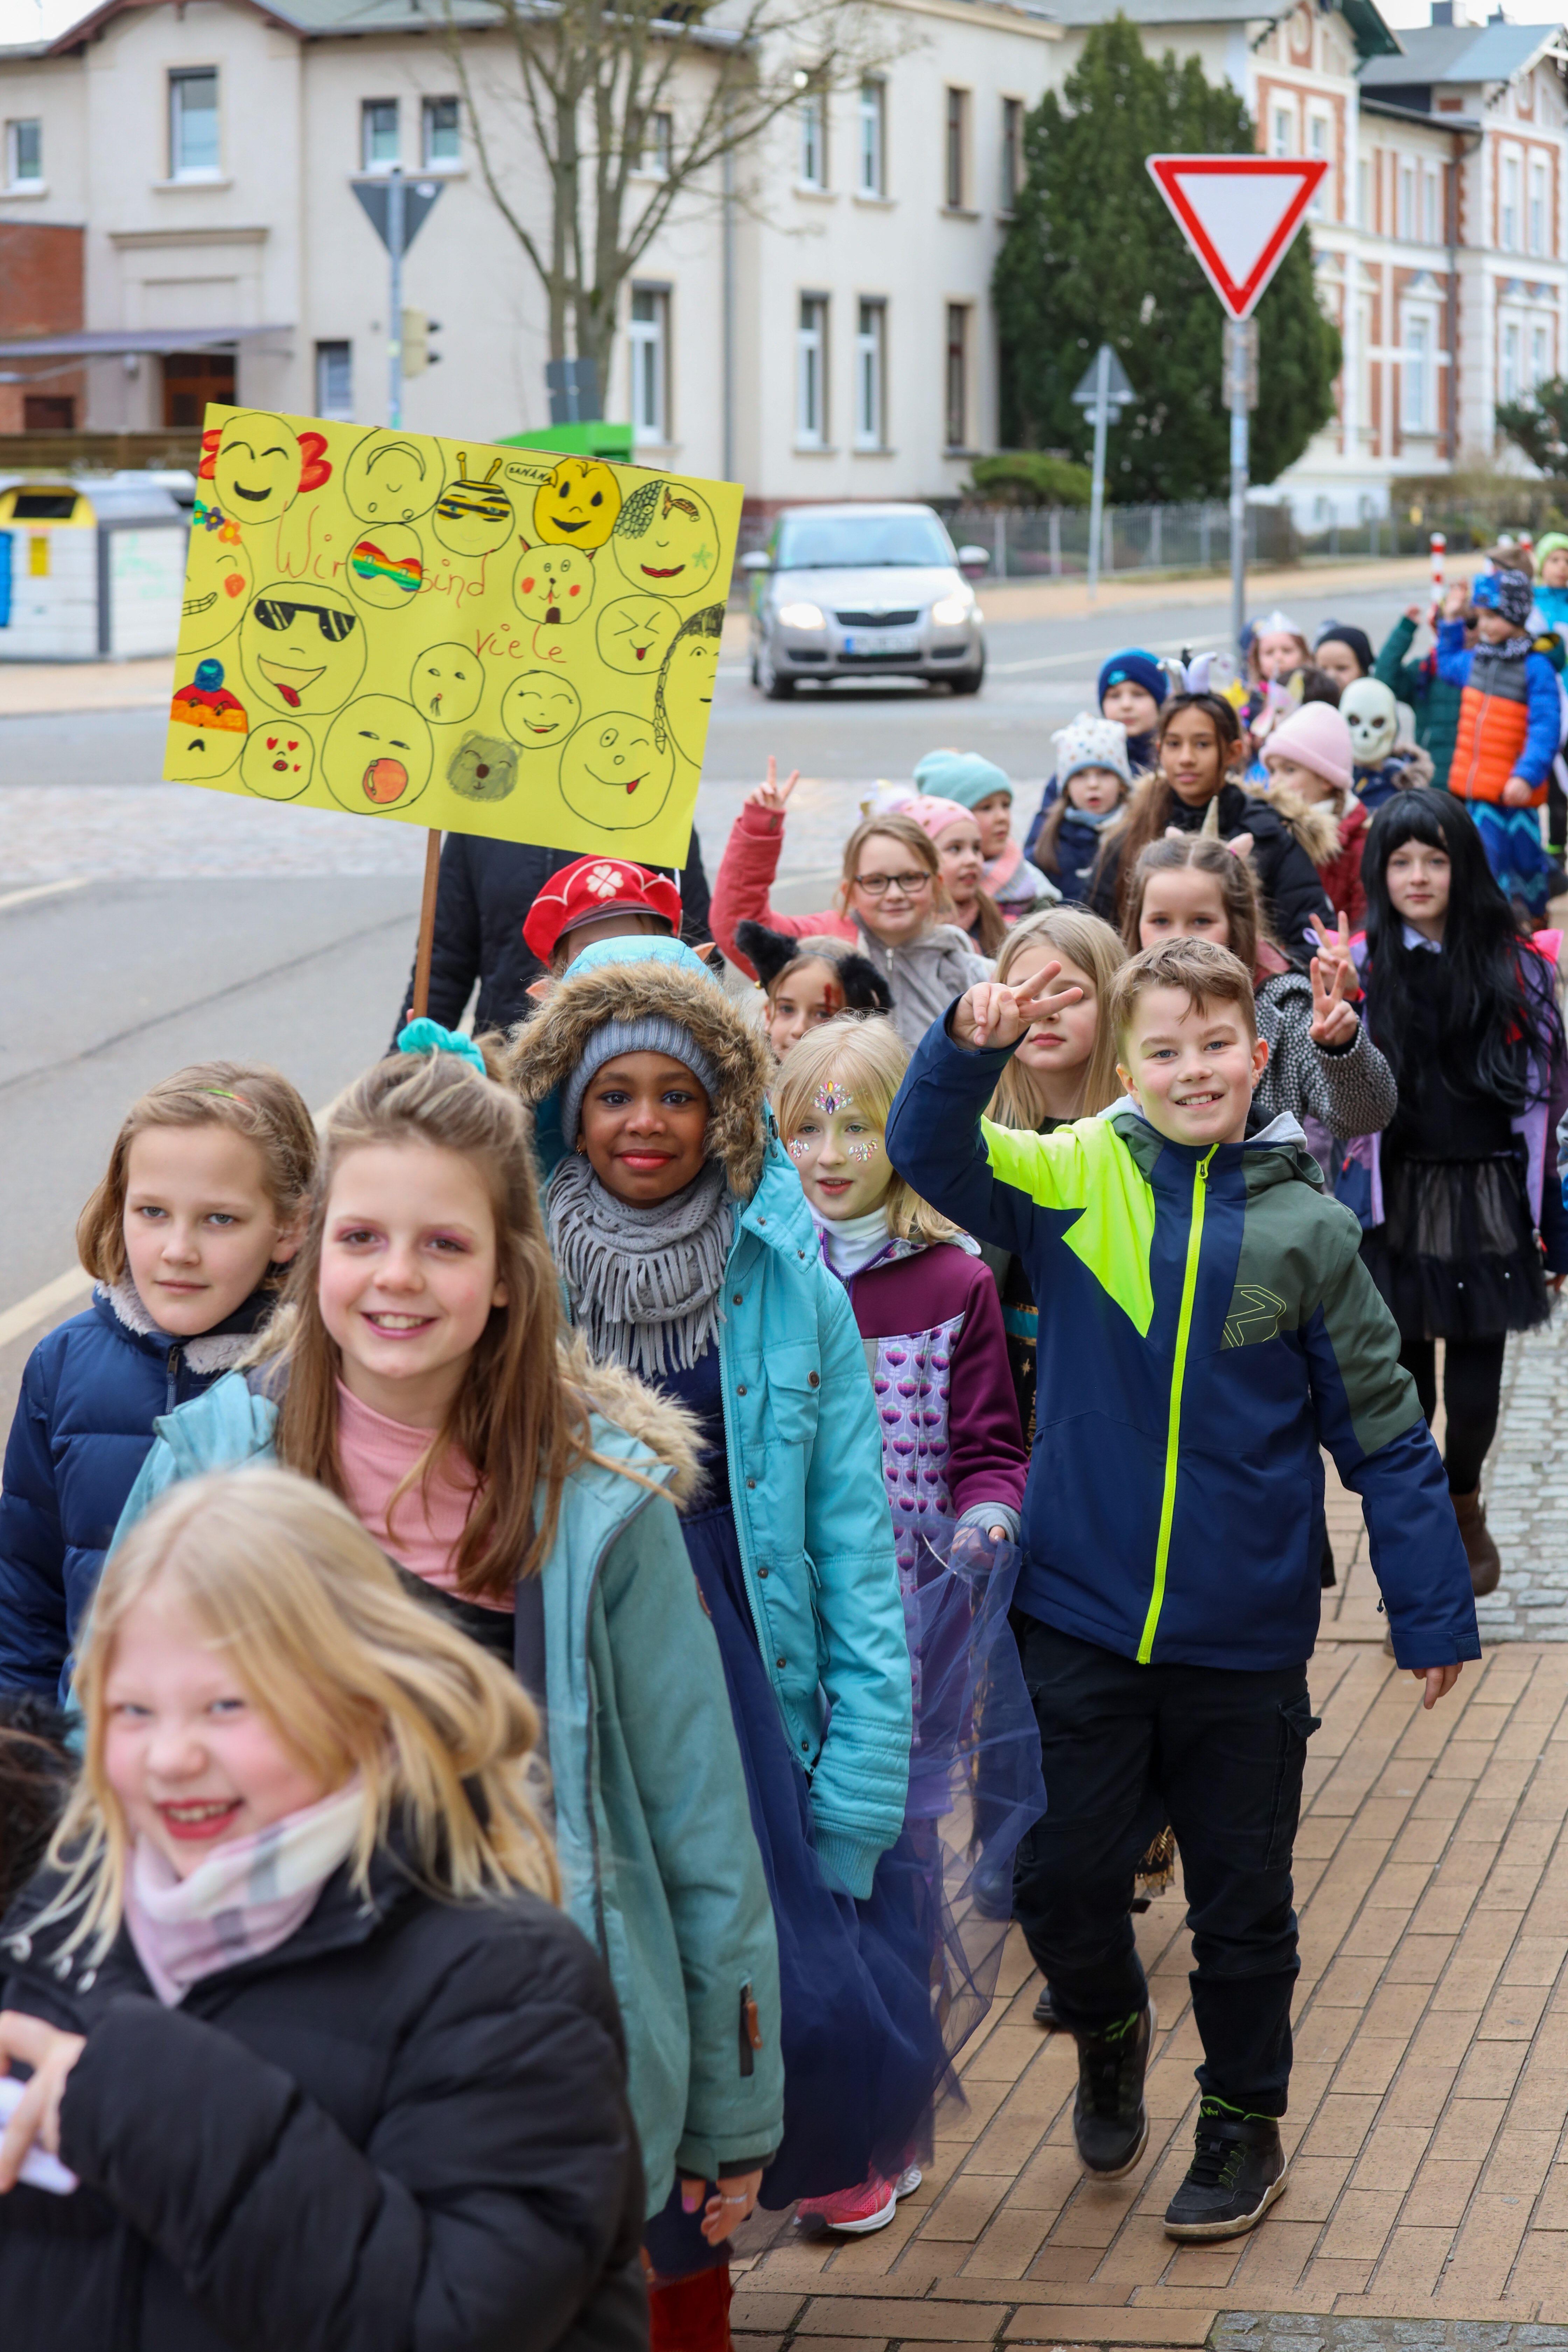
x=1219, y=1754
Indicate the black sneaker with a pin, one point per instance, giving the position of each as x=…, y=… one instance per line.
x=1237, y=2170
x=1109, y=2121
x=1046, y=2012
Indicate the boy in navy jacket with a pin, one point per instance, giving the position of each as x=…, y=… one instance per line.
x=1206, y=1325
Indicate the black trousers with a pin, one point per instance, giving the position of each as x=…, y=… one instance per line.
x=1218, y=1753
x=1472, y=1385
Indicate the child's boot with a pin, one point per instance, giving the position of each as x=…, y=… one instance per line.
x=691, y=2315
x=1109, y=2120
x=1237, y=2170
x=1486, y=1560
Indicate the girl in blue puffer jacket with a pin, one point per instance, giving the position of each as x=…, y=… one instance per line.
x=200, y=1209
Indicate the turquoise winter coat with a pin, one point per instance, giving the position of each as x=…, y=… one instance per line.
x=659, y=1861
x=799, y=1418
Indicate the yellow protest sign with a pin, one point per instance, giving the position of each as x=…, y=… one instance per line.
x=472, y=638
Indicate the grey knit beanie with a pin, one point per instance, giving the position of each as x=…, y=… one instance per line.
x=657, y=1033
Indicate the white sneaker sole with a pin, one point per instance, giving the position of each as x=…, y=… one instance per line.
x=1191, y=2231
x=908, y=2181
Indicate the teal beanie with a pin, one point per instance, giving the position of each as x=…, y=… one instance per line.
x=962, y=776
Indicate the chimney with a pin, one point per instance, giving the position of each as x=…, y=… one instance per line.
x=1442, y=12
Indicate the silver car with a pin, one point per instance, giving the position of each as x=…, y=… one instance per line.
x=864, y=592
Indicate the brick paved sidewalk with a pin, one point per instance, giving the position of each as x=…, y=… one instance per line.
x=1430, y=2172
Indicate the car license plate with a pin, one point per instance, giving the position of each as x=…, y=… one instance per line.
x=882, y=641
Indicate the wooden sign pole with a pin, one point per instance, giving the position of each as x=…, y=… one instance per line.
x=427, y=926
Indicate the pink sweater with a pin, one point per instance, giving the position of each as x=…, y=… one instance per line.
x=745, y=879
x=429, y=1519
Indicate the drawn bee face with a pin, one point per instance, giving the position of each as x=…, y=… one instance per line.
x=473, y=518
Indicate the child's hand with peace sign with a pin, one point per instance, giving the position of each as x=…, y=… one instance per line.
x=993, y=1015
x=773, y=798
x=1334, y=1022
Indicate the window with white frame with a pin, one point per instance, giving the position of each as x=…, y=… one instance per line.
x=1406, y=217
x=1508, y=225
x=1012, y=151
x=957, y=156
x=647, y=337
x=1540, y=366
x=1363, y=193
x=440, y=136
x=811, y=372
x=1284, y=139
x=658, y=143
x=1508, y=375
x=1414, y=376
x=1431, y=206
x=1537, y=206
x=1318, y=149
x=193, y=124
x=336, y=382
x=378, y=139
x=813, y=113
x=956, y=384
x=24, y=153
x=870, y=372
x=873, y=97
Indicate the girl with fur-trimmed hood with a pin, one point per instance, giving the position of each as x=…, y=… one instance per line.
x=417, y=1370
x=688, y=1254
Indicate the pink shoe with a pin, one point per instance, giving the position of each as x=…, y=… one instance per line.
x=856, y=2212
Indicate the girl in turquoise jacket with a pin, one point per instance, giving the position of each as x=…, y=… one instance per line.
x=416, y=1369
x=688, y=1254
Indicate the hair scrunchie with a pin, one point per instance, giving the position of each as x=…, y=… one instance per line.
x=423, y=1037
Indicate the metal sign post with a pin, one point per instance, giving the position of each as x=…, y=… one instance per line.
x=1239, y=213
x=1104, y=391
x=397, y=210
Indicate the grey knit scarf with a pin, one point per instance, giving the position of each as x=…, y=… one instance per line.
x=642, y=1283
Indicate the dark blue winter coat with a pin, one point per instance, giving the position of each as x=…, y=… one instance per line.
x=83, y=1427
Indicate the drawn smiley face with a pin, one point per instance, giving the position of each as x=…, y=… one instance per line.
x=578, y=505
x=385, y=567
x=685, y=683
x=256, y=472
x=554, y=585
x=634, y=633
x=446, y=684
x=219, y=579
x=389, y=480
x=615, y=774
x=276, y=760
x=667, y=539
x=378, y=755
x=303, y=647
x=539, y=709
x=473, y=514
x=207, y=729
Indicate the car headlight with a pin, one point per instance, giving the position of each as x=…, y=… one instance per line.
x=802, y=616
x=952, y=612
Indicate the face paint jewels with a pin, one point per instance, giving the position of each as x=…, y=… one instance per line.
x=830, y=1099
x=862, y=1151
x=797, y=1147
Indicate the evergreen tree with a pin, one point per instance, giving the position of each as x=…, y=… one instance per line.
x=1093, y=255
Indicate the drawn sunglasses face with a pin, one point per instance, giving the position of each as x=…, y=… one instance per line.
x=274, y=614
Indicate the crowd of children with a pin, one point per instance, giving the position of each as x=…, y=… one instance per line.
x=548, y=1627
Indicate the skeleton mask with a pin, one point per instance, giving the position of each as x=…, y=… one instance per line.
x=1369, y=711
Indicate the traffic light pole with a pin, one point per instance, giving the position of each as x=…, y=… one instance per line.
x=395, y=192
x=1097, y=493
x=1236, y=357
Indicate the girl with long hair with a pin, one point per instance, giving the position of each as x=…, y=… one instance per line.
x=1192, y=791
x=418, y=1371
x=1464, y=1215
x=314, y=2055
x=892, y=904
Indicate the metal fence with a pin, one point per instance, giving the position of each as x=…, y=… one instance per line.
x=1052, y=542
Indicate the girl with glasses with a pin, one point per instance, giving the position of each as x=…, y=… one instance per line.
x=893, y=903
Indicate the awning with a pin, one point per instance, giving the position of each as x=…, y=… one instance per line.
x=116, y=343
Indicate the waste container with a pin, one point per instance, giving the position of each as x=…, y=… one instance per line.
x=90, y=569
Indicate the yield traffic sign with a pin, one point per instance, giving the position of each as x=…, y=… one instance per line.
x=1238, y=213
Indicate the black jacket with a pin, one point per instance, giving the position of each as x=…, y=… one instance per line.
x=1287, y=881
x=404, y=2130
x=485, y=889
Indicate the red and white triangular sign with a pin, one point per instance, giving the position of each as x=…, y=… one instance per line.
x=1238, y=213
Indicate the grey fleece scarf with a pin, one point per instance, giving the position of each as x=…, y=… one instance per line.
x=642, y=1283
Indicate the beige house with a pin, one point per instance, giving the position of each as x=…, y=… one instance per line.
x=824, y=328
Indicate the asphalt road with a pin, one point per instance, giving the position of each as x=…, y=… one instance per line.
x=194, y=935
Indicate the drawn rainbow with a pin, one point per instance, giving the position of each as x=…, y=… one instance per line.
x=403, y=572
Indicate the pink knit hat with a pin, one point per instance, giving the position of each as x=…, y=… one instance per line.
x=1314, y=737
x=934, y=814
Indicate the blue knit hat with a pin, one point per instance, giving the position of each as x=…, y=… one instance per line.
x=655, y=1034
x=961, y=776
x=1133, y=666
x=1508, y=592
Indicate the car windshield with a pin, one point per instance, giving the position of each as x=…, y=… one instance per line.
x=860, y=543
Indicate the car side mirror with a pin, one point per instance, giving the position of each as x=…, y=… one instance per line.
x=757, y=559
x=973, y=561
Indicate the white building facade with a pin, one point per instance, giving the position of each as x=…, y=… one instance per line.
x=826, y=333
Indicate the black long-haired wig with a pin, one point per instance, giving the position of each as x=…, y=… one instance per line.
x=1502, y=1002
